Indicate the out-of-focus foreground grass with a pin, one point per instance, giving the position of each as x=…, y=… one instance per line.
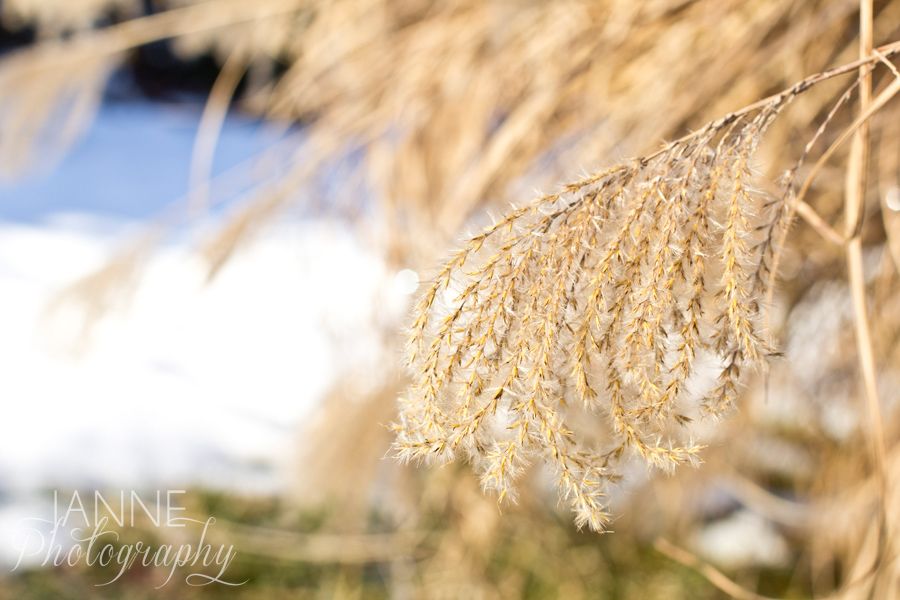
x=287, y=552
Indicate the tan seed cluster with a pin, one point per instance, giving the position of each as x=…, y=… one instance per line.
x=602, y=295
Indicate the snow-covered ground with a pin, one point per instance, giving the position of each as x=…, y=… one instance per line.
x=189, y=383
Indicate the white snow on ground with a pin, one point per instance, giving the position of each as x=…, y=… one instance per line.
x=190, y=383
x=741, y=540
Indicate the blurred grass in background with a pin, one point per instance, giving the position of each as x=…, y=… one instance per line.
x=286, y=552
x=437, y=113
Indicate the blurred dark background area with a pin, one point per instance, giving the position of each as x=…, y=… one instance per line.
x=153, y=72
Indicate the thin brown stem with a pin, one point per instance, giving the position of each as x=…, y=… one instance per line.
x=712, y=574
x=861, y=121
x=854, y=207
x=883, y=52
x=211, y=122
x=820, y=225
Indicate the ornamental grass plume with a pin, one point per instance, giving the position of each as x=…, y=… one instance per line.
x=605, y=295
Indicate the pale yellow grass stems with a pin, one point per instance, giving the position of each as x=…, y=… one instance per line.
x=854, y=209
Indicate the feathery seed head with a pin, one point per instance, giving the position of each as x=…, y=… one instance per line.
x=603, y=294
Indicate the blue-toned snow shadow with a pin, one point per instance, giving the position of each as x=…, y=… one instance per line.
x=132, y=163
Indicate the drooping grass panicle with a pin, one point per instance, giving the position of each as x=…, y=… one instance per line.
x=603, y=295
